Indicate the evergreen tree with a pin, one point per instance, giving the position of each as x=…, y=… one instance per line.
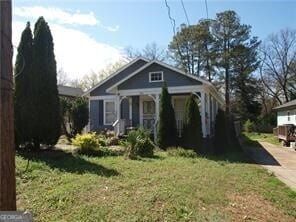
x=167, y=123
x=44, y=98
x=220, y=139
x=192, y=130
x=75, y=112
x=22, y=86
x=230, y=37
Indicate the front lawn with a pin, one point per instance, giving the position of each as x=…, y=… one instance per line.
x=60, y=186
x=263, y=137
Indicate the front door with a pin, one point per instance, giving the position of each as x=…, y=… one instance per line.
x=148, y=115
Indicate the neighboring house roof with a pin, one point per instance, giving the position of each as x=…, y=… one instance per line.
x=286, y=106
x=69, y=91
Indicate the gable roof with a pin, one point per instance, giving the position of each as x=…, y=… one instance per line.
x=291, y=104
x=161, y=64
x=116, y=73
x=69, y=91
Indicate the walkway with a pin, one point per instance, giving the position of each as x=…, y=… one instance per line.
x=280, y=160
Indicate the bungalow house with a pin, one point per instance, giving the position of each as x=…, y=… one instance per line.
x=130, y=97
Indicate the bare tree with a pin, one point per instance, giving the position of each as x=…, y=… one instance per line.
x=278, y=55
x=88, y=81
x=62, y=77
x=151, y=51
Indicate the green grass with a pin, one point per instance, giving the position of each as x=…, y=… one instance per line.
x=60, y=186
x=263, y=137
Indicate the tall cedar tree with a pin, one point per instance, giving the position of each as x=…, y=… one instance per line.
x=167, y=123
x=22, y=69
x=220, y=139
x=192, y=130
x=46, y=123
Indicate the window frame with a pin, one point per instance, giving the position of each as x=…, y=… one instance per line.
x=150, y=74
x=104, y=114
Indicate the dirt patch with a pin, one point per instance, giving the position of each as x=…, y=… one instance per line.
x=251, y=207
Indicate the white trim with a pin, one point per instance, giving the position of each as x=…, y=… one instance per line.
x=104, y=113
x=114, y=74
x=111, y=97
x=150, y=73
x=174, y=89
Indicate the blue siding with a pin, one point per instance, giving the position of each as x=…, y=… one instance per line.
x=101, y=90
x=94, y=114
x=172, y=78
x=124, y=109
x=135, y=110
x=97, y=116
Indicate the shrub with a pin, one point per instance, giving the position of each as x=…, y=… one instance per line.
x=180, y=152
x=249, y=126
x=192, y=133
x=167, y=133
x=138, y=143
x=220, y=139
x=87, y=143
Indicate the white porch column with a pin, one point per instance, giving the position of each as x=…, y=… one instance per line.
x=130, y=104
x=157, y=106
x=156, y=115
x=203, y=114
x=118, y=107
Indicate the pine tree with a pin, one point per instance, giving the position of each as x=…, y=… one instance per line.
x=220, y=139
x=22, y=69
x=192, y=130
x=44, y=98
x=167, y=123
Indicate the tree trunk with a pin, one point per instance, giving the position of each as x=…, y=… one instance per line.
x=7, y=149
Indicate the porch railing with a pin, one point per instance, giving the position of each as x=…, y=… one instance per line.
x=119, y=127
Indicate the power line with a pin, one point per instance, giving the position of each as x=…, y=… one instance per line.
x=185, y=12
x=207, y=11
x=173, y=21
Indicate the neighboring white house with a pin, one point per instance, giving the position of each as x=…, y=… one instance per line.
x=286, y=113
x=130, y=97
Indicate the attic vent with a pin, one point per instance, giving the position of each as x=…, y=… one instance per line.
x=156, y=76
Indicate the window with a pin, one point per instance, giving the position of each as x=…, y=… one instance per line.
x=288, y=115
x=155, y=76
x=109, y=112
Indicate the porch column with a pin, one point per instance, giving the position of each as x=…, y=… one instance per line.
x=203, y=114
x=118, y=107
x=157, y=106
x=130, y=104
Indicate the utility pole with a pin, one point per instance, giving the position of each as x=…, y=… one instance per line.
x=7, y=149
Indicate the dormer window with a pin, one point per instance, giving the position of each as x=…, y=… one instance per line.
x=156, y=76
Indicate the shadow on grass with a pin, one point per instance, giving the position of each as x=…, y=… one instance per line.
x=67, y=162
x=257, y=152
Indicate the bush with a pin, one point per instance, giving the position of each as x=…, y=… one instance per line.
x=138, y=143
x=180, y=152
x=87, y=143
x=249, y=126
x=220, y=139
x=167, y=132
x=192, y=133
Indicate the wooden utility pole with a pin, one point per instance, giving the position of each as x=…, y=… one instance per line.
x=7, y=149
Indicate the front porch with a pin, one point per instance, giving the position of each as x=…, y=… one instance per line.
x=143, y=111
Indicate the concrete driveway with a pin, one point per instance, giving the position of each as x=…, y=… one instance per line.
x=280, y=160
